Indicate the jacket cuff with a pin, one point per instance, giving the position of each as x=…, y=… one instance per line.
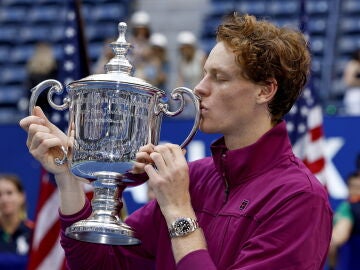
x=68, y=220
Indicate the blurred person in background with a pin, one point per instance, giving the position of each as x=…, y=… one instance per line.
x=139, y=38
x=154, y=67
x=191, y=60
x=190, y=64
x=159, y=43
x=351, y=78
x=106, y=54
x=40, y=67
x=347, y=228
x=15, y=228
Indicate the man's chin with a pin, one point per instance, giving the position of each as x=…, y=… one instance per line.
x=206, y=129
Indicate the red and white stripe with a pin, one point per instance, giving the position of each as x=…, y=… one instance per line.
x=46, y=252
x=310, y=148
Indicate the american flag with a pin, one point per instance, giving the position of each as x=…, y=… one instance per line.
x=305, y=121
x=305, y=127
x=46, y=252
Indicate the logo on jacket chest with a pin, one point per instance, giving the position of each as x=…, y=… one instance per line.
x=244, y=204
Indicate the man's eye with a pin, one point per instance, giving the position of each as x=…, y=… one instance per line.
x=220, y=78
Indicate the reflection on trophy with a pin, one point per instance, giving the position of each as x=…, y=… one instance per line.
x=111, y=116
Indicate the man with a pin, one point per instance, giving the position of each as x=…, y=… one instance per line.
x=252, y=205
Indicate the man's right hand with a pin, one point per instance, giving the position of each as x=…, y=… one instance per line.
x=44, y=141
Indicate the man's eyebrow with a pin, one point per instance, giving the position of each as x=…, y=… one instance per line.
x=215, y=70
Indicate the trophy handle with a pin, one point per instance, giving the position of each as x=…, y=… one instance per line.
x=178, y=94
x=55, y=87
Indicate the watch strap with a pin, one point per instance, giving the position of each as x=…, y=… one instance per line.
x=183, y=226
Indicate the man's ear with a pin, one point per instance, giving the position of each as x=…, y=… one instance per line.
x=267, y=91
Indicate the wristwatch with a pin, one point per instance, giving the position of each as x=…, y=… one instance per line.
x=183, y=226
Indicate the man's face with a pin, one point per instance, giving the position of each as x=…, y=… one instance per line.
x=228, y=101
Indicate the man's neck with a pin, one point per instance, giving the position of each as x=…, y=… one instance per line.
x=247, y=135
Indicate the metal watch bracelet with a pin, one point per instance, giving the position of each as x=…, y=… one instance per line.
x=183, y=226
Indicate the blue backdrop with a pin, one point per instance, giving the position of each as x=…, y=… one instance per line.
x=342, y=142
x=15, y=157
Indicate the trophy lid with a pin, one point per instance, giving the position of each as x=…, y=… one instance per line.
x=118, y=69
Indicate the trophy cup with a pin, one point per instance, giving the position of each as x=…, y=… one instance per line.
x=111, y=115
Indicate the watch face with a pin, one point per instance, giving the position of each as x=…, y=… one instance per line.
x=182, y=226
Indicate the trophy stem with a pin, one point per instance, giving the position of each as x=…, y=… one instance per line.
x=104, y=225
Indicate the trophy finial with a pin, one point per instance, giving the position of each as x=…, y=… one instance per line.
x=119, y=63
x=122, y=31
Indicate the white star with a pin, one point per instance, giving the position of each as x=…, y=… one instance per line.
x=301, y=128
x=66, y=115
x=307, y=92
x=68, y=80
x=69, y=49
x=70, y=32
x=55, y=117
x=290, y=126
x=304, y=111
x=69, y=65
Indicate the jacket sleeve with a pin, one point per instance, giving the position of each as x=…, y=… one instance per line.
x=199, y=259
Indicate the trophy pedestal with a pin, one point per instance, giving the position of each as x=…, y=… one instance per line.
x=94, y=231
x=104, y=226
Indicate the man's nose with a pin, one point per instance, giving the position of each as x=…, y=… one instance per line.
x=201, y=88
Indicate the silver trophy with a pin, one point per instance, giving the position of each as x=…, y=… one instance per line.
x=111, y=115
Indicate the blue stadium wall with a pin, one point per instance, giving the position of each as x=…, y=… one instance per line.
x=15, y=157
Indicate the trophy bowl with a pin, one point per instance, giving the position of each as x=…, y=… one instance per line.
x=111, y=115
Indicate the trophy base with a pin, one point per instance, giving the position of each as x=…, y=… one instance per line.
x=93, y=231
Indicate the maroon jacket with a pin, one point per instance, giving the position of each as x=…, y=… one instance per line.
x=259, y=207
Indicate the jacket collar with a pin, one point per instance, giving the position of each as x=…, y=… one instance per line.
x=239, y=164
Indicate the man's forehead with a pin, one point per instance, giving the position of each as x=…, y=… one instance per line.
x=221, y=59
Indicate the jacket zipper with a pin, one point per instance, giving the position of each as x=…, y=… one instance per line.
x=227, y=190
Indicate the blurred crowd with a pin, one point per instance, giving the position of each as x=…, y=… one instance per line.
x=351, y=78
x=150, y=58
